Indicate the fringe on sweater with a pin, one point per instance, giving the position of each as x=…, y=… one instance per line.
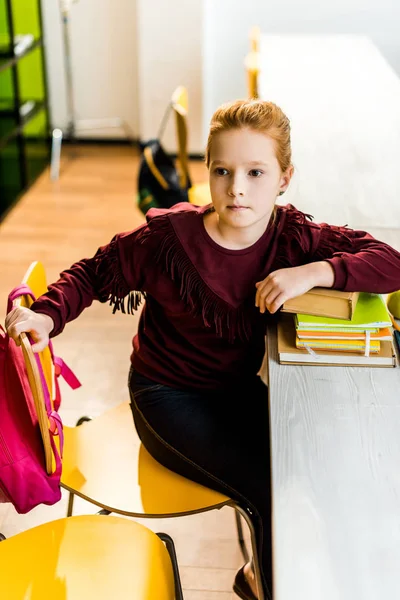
x=114, y=288
x=229, y=321
x=202, y=301
x=330, y=237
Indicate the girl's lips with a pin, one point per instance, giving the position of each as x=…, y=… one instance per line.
x=237, y=208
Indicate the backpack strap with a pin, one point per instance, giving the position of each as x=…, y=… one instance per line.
x=17, y=292
x=61, y=368
x=56, y=428
x=164, y=121
x=148, y=156
x=55, y=423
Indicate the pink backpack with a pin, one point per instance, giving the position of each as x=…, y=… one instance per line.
x=24, y=480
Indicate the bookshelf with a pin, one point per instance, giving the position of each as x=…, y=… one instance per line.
x=24, y=121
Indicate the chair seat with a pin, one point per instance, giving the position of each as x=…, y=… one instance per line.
x=199, y=194
x=105, y=463
x=86, y=557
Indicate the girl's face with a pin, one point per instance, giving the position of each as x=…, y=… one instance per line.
x=245, y=177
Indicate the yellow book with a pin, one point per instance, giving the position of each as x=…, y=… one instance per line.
x=323, y=302
x=382, y=335
x=339, y=345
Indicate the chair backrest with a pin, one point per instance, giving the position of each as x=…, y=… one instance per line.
x=180, y=105
x=35, y=278
x=252, y=66
x=252, y=63
x=89, y=557
x=254, y=39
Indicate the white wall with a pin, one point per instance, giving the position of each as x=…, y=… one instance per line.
x=104, y=62
x=127, y=58
x=129, y=55
x=170, y=54
x=227, y=24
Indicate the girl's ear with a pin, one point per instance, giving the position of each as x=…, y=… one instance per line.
x=286, y=178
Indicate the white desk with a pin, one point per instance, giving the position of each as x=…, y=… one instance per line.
x=343, y=100
x=335, y=439
x=335, y=432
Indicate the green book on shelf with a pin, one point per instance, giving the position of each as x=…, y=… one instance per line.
x=370, y=314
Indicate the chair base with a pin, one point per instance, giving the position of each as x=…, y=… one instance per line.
x=168, y=541
x=241, y=587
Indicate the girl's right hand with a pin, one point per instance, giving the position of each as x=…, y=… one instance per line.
x=23, y=320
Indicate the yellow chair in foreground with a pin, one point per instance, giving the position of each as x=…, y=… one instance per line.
x=105, y=463
x=87, y=557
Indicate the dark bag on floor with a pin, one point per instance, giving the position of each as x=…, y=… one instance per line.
x=159, y=184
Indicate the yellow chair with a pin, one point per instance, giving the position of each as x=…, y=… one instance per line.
x=88, y=557
x=121, y=477
x=252, y=63
x=254, y=37
x=199, y=194
x=252, y=66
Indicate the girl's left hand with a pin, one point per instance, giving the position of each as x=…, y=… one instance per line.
x=284, y=284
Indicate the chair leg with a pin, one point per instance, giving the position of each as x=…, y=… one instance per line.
x=168, y=541
x=2, y=537
x=70, y=504
x=256, y=564
x=241, y=541
x=82, y=420
x=71, y=494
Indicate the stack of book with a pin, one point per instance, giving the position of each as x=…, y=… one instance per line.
x=362, y=338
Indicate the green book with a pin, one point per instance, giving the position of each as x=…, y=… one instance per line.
x=370, y=314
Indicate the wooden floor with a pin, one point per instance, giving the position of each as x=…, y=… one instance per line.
x=59, y=223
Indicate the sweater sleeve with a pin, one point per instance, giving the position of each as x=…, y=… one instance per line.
x=113, y=274
x=359, y=261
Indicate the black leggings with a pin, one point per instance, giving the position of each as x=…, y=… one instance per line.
x=218, y=440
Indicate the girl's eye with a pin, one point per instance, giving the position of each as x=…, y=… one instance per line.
x=221, y=171
x=255, y=173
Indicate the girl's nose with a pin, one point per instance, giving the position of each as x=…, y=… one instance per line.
x=237, y=187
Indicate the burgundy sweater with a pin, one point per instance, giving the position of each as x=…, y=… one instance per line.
x=199, y=328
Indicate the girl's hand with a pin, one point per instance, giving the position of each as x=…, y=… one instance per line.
x=284, y=284
x=23, y=320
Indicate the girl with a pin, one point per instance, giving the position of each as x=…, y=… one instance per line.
x=211, y=276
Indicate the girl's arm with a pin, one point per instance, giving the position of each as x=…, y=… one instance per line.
x=110, y=275
x=328, y=256
x=360, y=263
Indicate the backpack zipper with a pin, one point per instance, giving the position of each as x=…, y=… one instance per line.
x=6, y=451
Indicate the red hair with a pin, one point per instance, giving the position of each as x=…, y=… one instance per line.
x=258, y=115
